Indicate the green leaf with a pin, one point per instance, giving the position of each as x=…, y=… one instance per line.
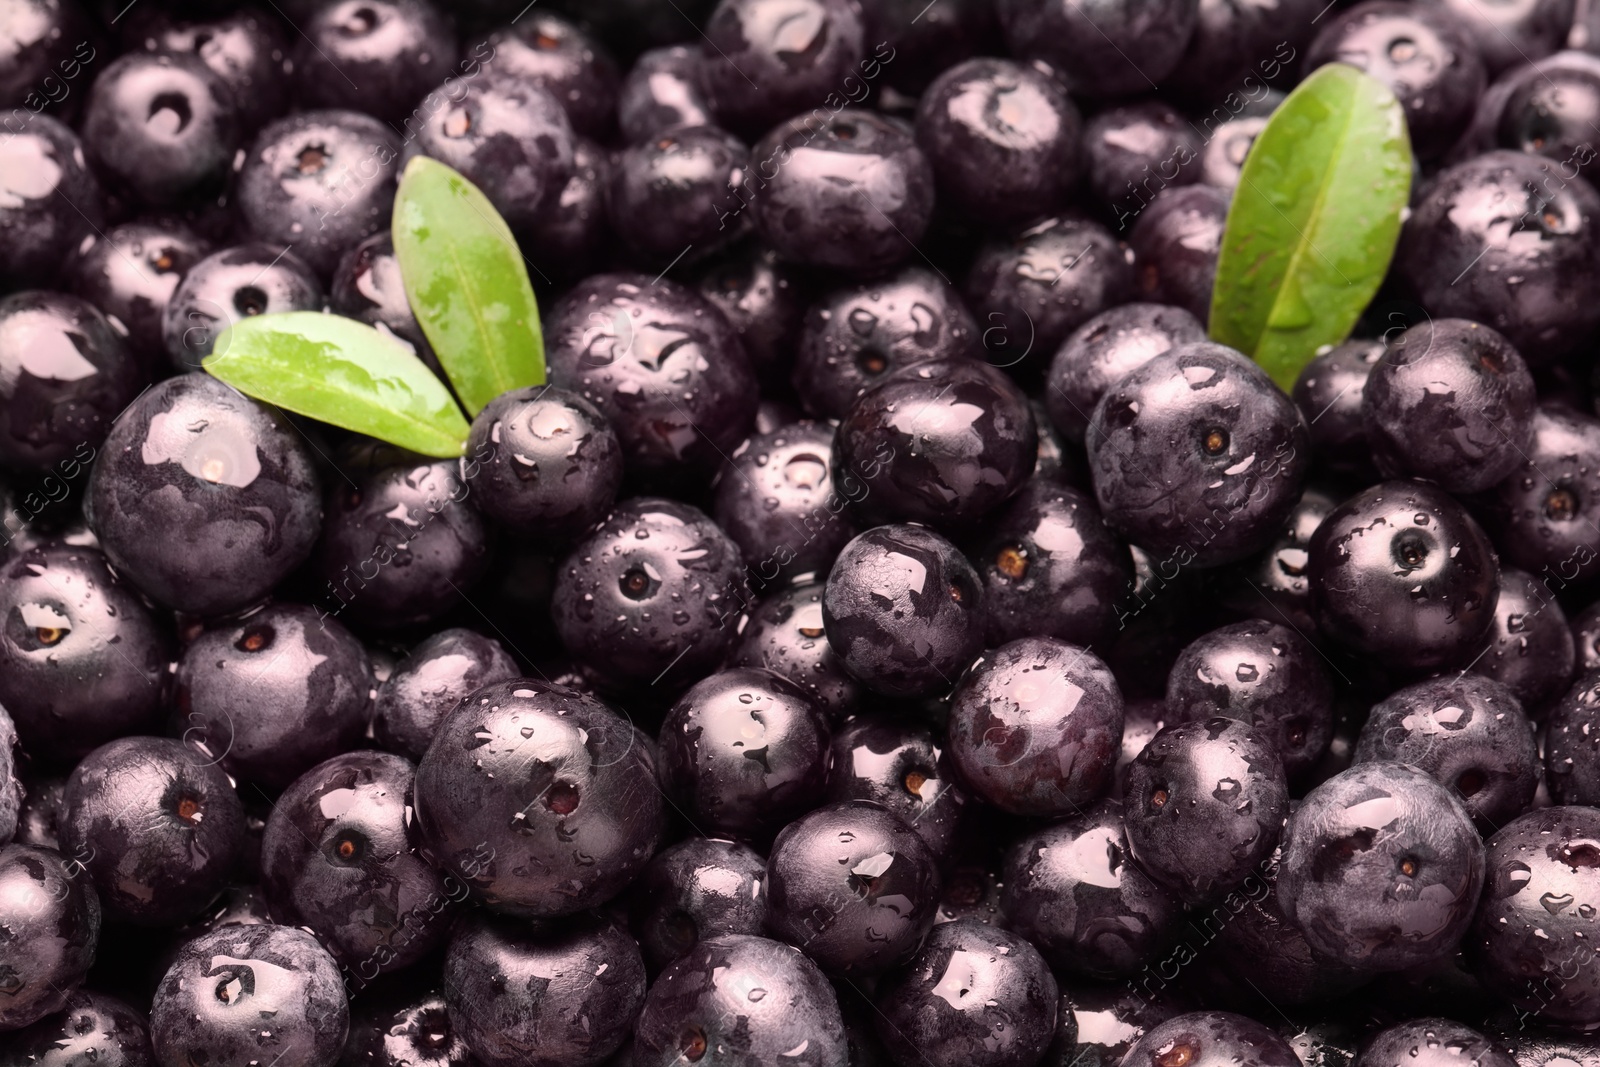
x=342, y=372
x=467, y=284
x=1314, y=220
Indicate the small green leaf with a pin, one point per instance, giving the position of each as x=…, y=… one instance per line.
x=1314, y=220
x=467, y=284
x=340, y=371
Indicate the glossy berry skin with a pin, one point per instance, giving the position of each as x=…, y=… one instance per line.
x=678, y=191
x=1431, y=1043
x=1537, y=915
x=65, y=374
x=227, y=287
x=1211, y=1039
x=1516, y=33
x=1402, y=573
x=274, y=694
x=814, y=181
x=764, y=300
x=1072, y=890
x=542, y=800
x=410, y=1030
x=1237, y=47
x=1205, y=804
x=1044, y=282
x=92, y=1028
x=903, y=610
x=246, y=48
x=31, y=810
x=1425, y=54
x=1198, y=452
x=427, y=685
x=367, y=287
x=405, y=545
x=661, y=363
x=573, y=234
x=319, y=182
x=1546, y=106
x=162, y=125
x=1175, y=245
x=547, y=50
x=1002, y=138
x=1035, y=727
x=765, y=61
x=777, y=498
x=1550, y=245
x=49, y=926
x=1531, y=649
x=85, y=660
x=1133, y=151
x=901, y=764
x=1381, y=867
x=1223, y=160
x=786, y=634
x=27, y=823
x=856, y=336
x=1469, y=733
x=955, y=438
x=509, y=137
x=1262, y=673
x=212, y=1004
x=1005, y=1018
x=693, y=891
x=660, y=90
x=743, y=752
x=543, y=462
x=700, y=1007
x=1052, y=567
x=1572, y=744
x=1544, y=515
x=340, y=858
x=193, y=479
x=1273, y=585
x=131, y=273
x=49, y=184
x=374, y=56
x=155, y=824
x=1330, y=394
x=653, y=593
x=1586, y=638
x=1253, y=937
x=1106, y=349
x=1096, y=1024
x=1451, y=402
x=1093, y=41
x=552, y=995
x=44, y=41
x=853, y=887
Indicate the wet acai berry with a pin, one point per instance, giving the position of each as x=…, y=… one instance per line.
x=1035, y=727
x=542, y=800
x=202, y=498
x=1467, y=731
x=868, y=872
x=903, y=610
x=695, y=890
x=1381, y=867
x=1204, y=806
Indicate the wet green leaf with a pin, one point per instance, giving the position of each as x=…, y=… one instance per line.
x=343, y=372
x=1313, y=222
x=467, y=284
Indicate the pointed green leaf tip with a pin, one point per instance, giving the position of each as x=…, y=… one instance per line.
x=1314, y=221
x=467, y=284
x=342, y=372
